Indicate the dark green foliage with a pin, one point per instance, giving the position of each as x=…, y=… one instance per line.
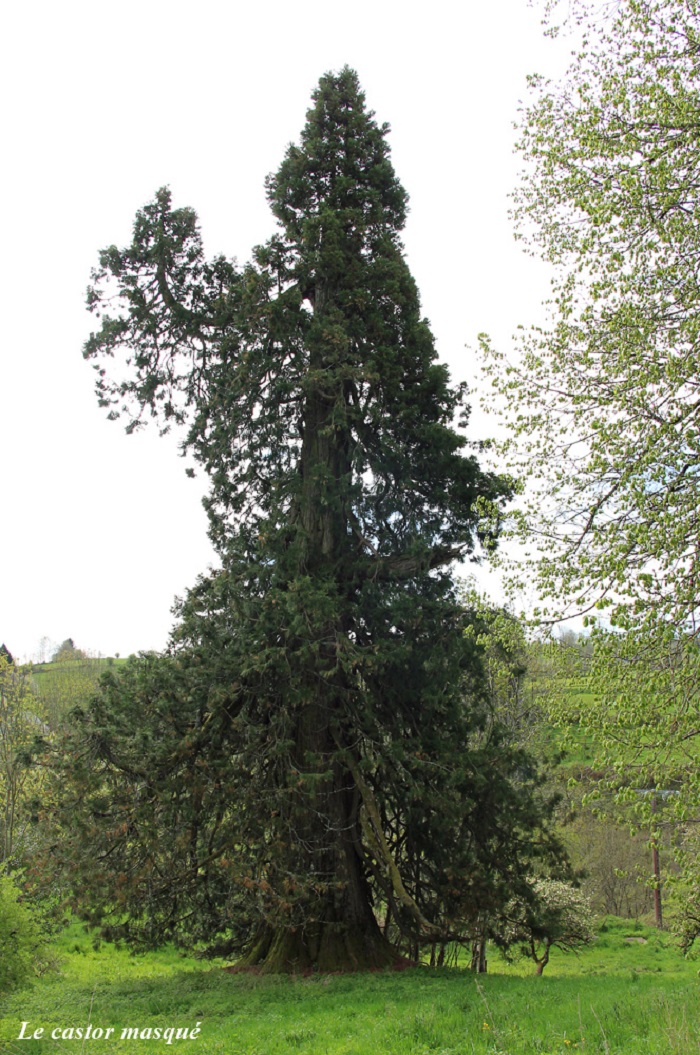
x=151, y=781
x=312, y=751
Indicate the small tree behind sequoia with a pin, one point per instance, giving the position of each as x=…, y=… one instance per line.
x=310, y=753
x=559, y=918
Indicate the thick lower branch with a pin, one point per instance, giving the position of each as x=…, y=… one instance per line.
x=383, y=853
x=406, y=566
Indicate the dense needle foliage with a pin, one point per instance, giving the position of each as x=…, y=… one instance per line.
x=313, y=756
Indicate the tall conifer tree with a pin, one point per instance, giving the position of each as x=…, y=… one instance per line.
x=316, y=738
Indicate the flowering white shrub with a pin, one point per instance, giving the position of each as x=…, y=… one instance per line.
x=559, y=917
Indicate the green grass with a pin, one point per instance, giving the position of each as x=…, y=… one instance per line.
x=46, y=676
x=69, y=683
x=619, y=996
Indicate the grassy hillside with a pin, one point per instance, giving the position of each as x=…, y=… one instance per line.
x=630, y=993
x=68, y=683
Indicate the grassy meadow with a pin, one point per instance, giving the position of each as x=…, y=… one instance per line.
x=631, y=993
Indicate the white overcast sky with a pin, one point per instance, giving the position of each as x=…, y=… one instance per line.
x=105, y=102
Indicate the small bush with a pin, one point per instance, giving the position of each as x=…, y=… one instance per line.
x=23, y=945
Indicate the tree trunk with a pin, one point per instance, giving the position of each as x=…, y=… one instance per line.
x=339, y=929
x=479, y=962
x=543, y=960
x=340, y=932
x=322, y=945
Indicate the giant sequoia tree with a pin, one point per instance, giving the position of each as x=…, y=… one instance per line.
x=313, y=751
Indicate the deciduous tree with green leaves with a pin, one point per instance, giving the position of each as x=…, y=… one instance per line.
x=308, y=759
x=21, y=724
x=604, y=402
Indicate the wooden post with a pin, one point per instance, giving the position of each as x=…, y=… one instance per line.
x=657, y=874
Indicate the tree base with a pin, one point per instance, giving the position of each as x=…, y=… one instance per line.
x=322, y=947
